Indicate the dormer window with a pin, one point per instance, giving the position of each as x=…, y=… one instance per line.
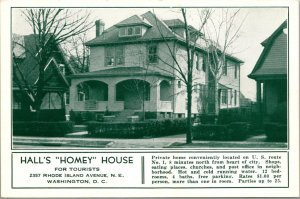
x=137, y=30
x=130, y=31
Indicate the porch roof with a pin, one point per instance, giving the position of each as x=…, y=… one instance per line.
x=223, y=87
x=121, y=72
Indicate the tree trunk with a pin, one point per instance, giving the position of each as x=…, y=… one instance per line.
x=37, y=108
x=217, y=100
x=189, y=114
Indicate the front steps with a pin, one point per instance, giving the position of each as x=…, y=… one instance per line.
x=123, y=116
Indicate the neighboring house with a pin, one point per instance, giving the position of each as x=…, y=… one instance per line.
x=56, y=85
x=245, y=102
x=270, y=74
x=132, y=68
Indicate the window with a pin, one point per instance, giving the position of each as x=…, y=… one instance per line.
x=224, y=96
x=199, y=61
x=230, y=96
x=137, y=30
x=204, y=64
x=122, y=32
x=236, y=70
x=186, y=104
x=130, y=31
x=109, y=56
x=152, y=54
x=119, y=56
x=179, y=84
x=224, y=69
x=114, y=56
x=235, y=97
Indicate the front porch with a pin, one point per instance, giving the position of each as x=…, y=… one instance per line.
x=115, y=93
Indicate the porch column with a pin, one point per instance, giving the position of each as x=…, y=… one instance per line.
x=258, y=99
x=73, y=95
x=154, y=96
x=111, y=96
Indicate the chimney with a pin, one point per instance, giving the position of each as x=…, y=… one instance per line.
x=99, y=27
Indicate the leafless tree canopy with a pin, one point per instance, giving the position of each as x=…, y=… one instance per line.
x=61, y=24
x=221, y=33
x=50, y=27
x=217, y=31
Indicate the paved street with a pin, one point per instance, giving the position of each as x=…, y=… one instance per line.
x=176, y=141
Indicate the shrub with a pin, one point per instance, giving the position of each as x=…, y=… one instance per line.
x=280, y=114
x=152, y=128
x=150, y=115
x=276, y=132
x=44, y=115
x=92, y=126
x=234, y=132
x=209, y=132
x=207, y=118
x=227, y=116
x=38, y=128
x=76, y=117
x=238, y=131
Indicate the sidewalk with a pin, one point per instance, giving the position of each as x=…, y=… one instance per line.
x=176, y=141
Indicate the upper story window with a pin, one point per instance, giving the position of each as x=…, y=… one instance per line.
x=199, y=61
x=152, y=54
x=114, y=55
x=179, y=84
x=224, y=68
x=130, y=31
x=224, y=97
x=236, y=68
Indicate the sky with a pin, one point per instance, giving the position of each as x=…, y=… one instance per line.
x=258, y=25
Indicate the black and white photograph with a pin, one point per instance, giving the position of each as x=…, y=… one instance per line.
x=150, y=77
x=149, y=99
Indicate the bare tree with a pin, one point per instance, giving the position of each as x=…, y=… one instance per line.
x=221, y=33
x=50, y=27
x=184, y=71
x=78, y=53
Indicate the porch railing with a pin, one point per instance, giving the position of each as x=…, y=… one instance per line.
x=165, y=106
x=90, y=105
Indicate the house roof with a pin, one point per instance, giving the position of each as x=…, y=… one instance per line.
x=121, y=71
x=159, y=30
x=28, y=64
x=134, y=20
x=178, y=23
x=275, y=68
x=111, y=35
x=174, y=23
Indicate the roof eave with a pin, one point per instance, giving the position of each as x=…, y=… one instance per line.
x=267, y=76
x=132, y=41
x=115, y=75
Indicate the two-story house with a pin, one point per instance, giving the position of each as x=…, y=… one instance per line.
x=134, y=65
